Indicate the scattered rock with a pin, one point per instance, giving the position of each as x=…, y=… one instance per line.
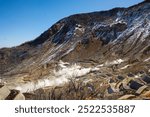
x=130, y=75
x=125, y=97
x=141, y=89
x=141, y=72
x=111, y=81
x=146, y=79
x=147, y=94
x=125, y=83
x=110, y=90
x=134, y=85
x=29, y=96
x=120, y=78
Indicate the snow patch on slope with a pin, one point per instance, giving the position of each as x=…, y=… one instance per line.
x=125, y=67
x=110, y=63
x=115, y=62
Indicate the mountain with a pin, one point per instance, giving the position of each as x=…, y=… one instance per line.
x=98, y=47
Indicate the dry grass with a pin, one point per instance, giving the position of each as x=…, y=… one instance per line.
x=74, y=90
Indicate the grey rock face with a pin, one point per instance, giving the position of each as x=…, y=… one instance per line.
x=117, y=40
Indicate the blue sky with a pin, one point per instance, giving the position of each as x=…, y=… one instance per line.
x=24, y=20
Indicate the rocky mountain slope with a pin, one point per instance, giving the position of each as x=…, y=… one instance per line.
x=108, y=52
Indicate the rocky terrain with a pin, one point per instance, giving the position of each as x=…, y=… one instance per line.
x=98, y=55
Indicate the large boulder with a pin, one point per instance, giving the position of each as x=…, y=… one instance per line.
x=19, y=96
x=15, y=95
x=4, y=92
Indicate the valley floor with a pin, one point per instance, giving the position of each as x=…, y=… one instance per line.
x=117, y=79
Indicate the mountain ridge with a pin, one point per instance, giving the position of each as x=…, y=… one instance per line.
x=103, y=44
